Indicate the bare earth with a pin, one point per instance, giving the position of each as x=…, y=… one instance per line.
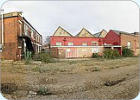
x=72, y=79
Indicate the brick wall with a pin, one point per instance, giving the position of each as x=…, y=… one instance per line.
x=75, y=40
x=10, y=39
x=74, y=52
x=134, y=40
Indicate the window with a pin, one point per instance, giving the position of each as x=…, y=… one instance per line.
x=32, y=34
x=95, y=50
x=128, y=45
x=84, y=44
x=93, y=43
x=58, y=43
x=25, y=29
x=20, y=27
x=70, y=43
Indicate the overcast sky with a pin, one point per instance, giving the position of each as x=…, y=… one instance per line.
x=46, y=16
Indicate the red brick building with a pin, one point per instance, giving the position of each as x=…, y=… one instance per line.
x=124, y=39
x=19, y=37
x=84, y=44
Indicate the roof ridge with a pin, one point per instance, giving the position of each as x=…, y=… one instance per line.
x=85, y=30
x=62, y=29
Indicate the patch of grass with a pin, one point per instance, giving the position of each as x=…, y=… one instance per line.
x=36, y=69
x=96, y=55
x=93, y=69
x=11, y=82
x=27, y=62
x=51, y=68
x=44, y=57
x=47, y=80
x=127, y=52
x=111, y=54
x=43, y=91
x=72, y=62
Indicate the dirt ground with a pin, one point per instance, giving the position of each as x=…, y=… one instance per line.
x=71, y=79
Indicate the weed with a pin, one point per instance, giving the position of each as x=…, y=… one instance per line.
x=43, y=91
x=44, y=57
x=127, y=52
x=111, y=54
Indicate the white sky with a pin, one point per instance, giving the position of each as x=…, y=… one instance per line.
x=46, y=16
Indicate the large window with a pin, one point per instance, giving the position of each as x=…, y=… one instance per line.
x=58, y=43
x=70, y=43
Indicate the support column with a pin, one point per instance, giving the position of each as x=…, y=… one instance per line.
x=112, y=47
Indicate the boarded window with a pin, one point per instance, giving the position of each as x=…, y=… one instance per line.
x=58, y=43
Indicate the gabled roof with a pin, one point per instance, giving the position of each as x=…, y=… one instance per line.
x=84, y=33
x=101, y=34
x=61, y=32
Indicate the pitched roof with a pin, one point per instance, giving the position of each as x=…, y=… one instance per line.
x=126, y=33
x=61, y=32
x=84, y=33
x=101, y=34
x=136, y=33
x=97, y=34
x=120, y=32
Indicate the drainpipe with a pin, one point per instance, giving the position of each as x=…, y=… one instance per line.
x=64, y=41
